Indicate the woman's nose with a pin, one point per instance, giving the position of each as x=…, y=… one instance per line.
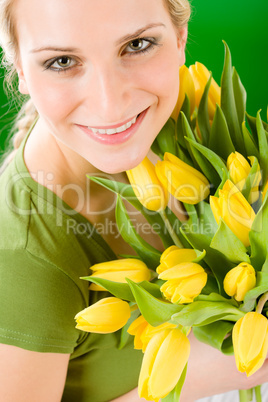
x=109, y=94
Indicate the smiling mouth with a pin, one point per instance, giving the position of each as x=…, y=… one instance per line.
x=115, y=130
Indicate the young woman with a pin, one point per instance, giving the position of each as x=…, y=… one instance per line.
x=102, y=77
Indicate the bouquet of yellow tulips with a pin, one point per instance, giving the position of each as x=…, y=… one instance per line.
x=213, y=275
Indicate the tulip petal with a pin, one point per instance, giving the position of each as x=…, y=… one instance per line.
x=189, y=288
x=147, y=187
x=107, y=315
x=173, y=256
x=169, y=363
x=250, y=340
x=181, y=271
x=148, y=362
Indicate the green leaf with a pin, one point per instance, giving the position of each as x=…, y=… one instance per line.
x=148, y=254
x=202, y=162
x=151, y=288
x=211, y=285
x=253, y=126
x=156, y=149
x=263, y=149
x=180, y=133
x=187, y=131
x=213, y=158
x=126, y=192
x=201, y=313
x=193, y=218
x=155, y=311
x=166, y=138
x=225, y=176
x=251, y=147
x=174, y=395
x=199, y=255
x=226, y=242
x=258, y=237
x=186, y=108
x=215, y=335
x=120, y=290
x=217, y=262
x=176, y=225
x=265, y=265
x=228, y=103
x=220, y=140
x=124, y=335
x=252, y=295
x=215, y=297
x=240, y=96
x=207, y=223
x=251, y=179
x=202, y=115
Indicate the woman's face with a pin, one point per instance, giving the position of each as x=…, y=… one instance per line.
x=103, y=75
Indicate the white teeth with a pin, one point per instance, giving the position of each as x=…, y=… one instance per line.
x=111, y=131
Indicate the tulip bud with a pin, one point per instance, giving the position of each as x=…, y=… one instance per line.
x=184, y=182
x=147, y=186
x=119, y=270
x=173, y=256
x=107, y=315
x=234, y=209
x=239, y=281
x=200, y=75
x=143, y=331
x=186, y=88
x=250, y=340
x=239, y=169
x=185, y=281
x=163, y=363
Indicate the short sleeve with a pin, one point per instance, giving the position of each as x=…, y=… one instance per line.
x=38, y=304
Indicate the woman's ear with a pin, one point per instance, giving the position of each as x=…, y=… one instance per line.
x=182, y=39
x=22, y=81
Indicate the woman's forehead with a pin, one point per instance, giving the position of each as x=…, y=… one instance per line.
x=71, y=19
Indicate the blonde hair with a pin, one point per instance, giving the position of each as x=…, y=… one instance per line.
x=179, y=10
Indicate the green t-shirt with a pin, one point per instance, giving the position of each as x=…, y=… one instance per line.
x=45, y=247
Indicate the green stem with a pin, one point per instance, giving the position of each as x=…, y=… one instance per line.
x=258, y=393
x=243, y=395
x=246, y=395
x=262, y=302
x=170, y=229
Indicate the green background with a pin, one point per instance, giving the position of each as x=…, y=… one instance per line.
x=241, y=23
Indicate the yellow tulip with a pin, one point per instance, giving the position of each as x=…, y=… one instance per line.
x=185, y=281
x=240, y=280
x=164, y=360
x=239, y=169
x=250, y=340
x=173, y=256
x=184, y=182
x=107, y=315
x=200, y=75
x=234, y=209
x=119, y=270
x=143, y=331
x=147, y=187
x=186, y=88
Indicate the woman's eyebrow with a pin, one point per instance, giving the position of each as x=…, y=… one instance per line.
x=55, y=49
x=136, y=34
x=125, y=38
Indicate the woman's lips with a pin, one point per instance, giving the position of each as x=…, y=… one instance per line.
x=115, y=134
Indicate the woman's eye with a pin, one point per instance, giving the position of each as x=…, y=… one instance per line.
x=138, y=45
x=61, y=63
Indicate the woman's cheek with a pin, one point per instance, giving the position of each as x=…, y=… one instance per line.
x=56, y=101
